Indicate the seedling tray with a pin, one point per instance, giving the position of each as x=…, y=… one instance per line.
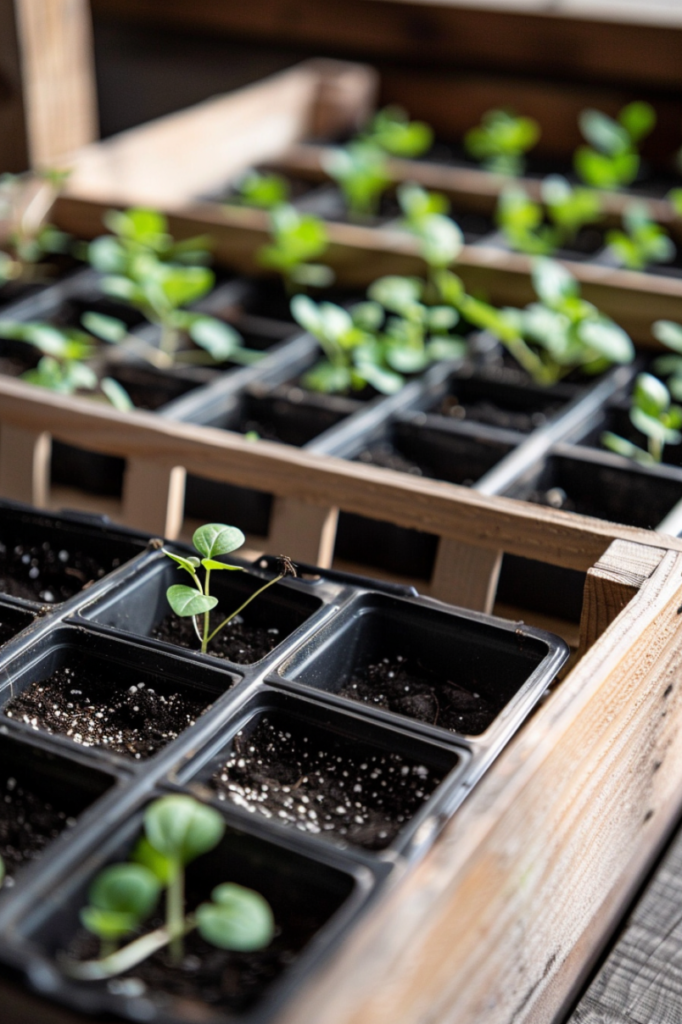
x=326, y=629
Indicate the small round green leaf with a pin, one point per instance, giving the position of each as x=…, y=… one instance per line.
x=668, y=333
x=215, y=337
x=116, y=394
x=163, y=868
x=217, y=539
x=108, y=924
x=211, y=563
x=608, y=339
x=181, y=828
x=186, y=601
x=126, y=889
x=651, y=395
x=237, y=918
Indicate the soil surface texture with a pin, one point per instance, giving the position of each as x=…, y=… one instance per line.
x=387, y=456
x=486, y=411
x=323, y=784
x=47, y=572
x=408, y=688
x=239, y=642
x=27, y=824
x=132, y=720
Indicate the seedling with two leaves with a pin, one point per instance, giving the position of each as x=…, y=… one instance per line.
x=653, y=414
x=539, y=229
x=361, y=169
x=263, y=190
x=177, y=830
x=502, y=139
x=425, y=215
x=642, y=241
x=611, y=159
x=298, y=241
x=25, y=204
x=63, y=366
x=549, y=338
x=196, y=601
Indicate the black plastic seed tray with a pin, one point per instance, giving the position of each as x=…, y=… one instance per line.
x=358, y=788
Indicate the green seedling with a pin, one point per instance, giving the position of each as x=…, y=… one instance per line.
x=25, y=204
x=501, y=141
x=670, y=366
x=177, y=830
x=549, y=338
x=611, y=158
x=360, y=169
x=414, y=334
x=392, y=131
x=654, y=415
x=642, y=241
x=196, y=601
x=140, y=232
x=426, y=217
x=63, y=367
x=264, y=191
x=538, y=230
x=298, y=241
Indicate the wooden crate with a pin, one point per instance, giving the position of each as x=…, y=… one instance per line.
x=173, y=162
x=505, y=914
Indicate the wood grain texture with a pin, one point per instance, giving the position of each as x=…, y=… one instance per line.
x=448, y=510
x=611, y=584
x=302, y=531
x=58, y=77
x=553, y=43
x=25, y=464
x=154, y=496
x=497, y=922
x=464, y=575
x=641, y=979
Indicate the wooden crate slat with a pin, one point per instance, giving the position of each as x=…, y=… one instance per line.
x=25, y=464
x=303, y=531
x=448, y=510
x=154, y=496
x=465, y=575
x=499, y=920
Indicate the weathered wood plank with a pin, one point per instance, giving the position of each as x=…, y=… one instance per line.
x=445, y=509
x=465, y=575
x=611, y=584
x=154, y=496
x=25, y=464
x=498, y=921
x=302, y=531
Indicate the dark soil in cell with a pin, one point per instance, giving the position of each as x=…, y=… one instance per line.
x=28, y=822
x=406, y=687
x=484, y=411
x=587, y=242
x=12, y=622
x=385, y=455
x=148, y=388
x=239, y=642
x=323, y=784
x=41, y=572
x=133, y=720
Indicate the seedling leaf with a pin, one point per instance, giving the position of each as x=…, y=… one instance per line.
x=211, y=563
x=181, y=828
x=186, y=601
x=237, y=918
x=217, y=539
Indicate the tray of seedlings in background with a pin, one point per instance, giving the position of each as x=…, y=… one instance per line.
x=319, y=750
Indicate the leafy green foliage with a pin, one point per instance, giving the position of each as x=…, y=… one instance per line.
x=501, y=141
x=549, y=338
x=670, y=334
x=264, y=191
x=298, y=241
x=196, y=600
x=611, y=158
x=531, y=228
x=25, y=204
x=63, y=367
x=642, y=241
x=178, y=829
x=392, y=131
x=236, y=918
x=426, y=217
x=652, y=414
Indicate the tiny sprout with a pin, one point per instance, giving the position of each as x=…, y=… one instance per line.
x=264, y=191
x=611, y=158
x=298, y=239
x=670, y=334
x=531, y=228
x=393, y=132
x=178, y=829
x=654, y=415
x=425, y=216
x=211, y=540
x=642, y=242
x=501, y=141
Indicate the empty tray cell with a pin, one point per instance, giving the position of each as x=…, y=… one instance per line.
x=47, y=560
x=442, y=669
x=304, y=893
x=142, y=608
x=499, y=404
x=603, y=486
x=12, y=621
x=326, y=773
x=41, y=795
x=109, y=694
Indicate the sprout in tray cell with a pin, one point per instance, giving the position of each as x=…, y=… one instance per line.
x=539, y=230
x=653, y=414
x=642, y=241
x=611, y=158
x=502, y=139
x=196, y=602
x=177, y=830
x=298, y=240
x=264, y=191
x=25, y=204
